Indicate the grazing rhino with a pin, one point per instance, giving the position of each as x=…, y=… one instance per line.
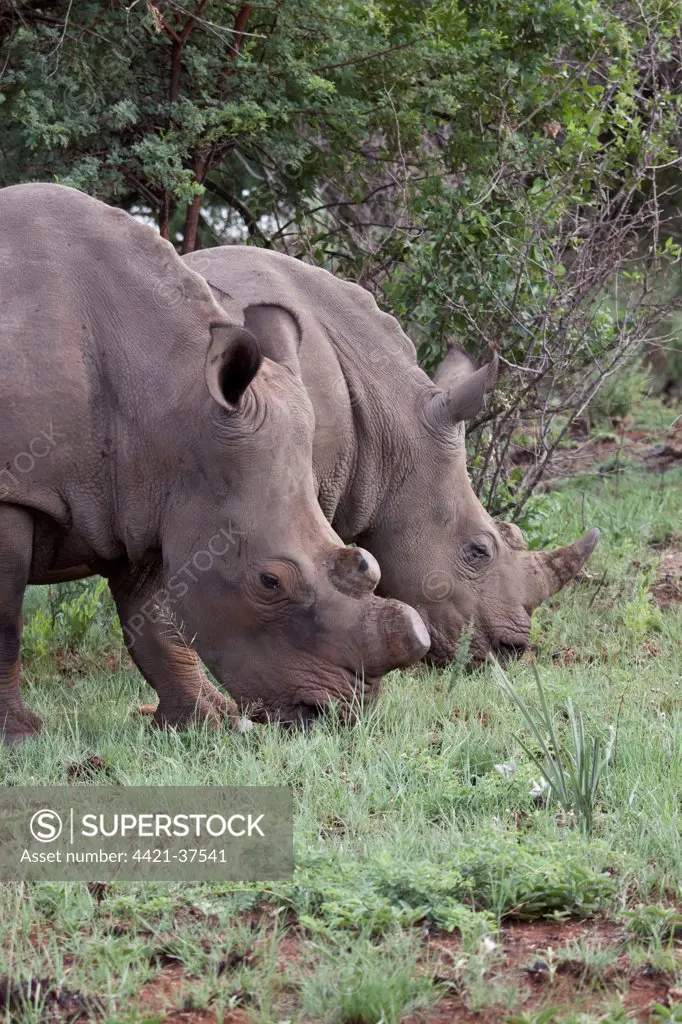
x=389, y=453
x=124, y=386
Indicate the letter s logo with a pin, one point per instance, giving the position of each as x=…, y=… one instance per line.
x=45, y=825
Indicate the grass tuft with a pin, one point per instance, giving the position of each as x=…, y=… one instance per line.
x=572, y=767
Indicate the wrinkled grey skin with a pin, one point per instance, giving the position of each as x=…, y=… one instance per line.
x=124, y=385
x=389, y=452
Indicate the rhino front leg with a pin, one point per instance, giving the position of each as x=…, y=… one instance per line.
x=168, y=664
x=16, y=552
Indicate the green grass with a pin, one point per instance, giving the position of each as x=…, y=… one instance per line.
x=404, y=827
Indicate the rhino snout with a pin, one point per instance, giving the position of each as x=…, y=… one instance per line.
x=353, y=571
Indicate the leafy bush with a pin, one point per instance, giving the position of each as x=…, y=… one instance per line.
x=374, y=898
x=69, y=616
x=466, y=890
x=541, y=521
x=535, y=879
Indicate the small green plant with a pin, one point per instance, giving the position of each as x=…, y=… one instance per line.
x=549, y=960
x=654, y=958
x=462, y=657
x=76, y=614
x=474, y=976
x=641, y=615
x=594, y=960
x=666, y=1014
x=573, y=769
x=364, y=983
x=540, y=521
x=37, y=638
x=656, y=924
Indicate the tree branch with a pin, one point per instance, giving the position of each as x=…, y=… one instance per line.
x=242, y=209
x=203, y=160
x=371, y=56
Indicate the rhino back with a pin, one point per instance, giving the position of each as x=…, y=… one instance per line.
x=103, y=333
x=346, y=313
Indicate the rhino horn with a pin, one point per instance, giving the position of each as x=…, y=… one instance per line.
x=454, y=365
x=552, y=570
x=353, y=571
x=464, y=388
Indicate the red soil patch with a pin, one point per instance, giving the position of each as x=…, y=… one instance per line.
x=520, y=966
x=672, y=449
x=165, y=994
x=650, y=449
x=523, y=966
x=631, y=445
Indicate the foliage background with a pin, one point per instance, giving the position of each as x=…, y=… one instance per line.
x=504, y=174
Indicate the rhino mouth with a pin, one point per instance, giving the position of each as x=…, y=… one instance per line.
x=345, y=701
x=306, y=715
x=503, y=651
x=347, y=708
x=446, y=649
x=508, y=651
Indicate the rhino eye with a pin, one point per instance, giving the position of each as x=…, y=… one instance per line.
x=479, y=550
x=269, y=581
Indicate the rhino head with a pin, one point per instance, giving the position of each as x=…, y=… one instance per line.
x=281, y=612
x=442, y=552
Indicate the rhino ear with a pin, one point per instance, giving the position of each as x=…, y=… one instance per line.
x=232, y=361
x=464, y=389
x=277, y=332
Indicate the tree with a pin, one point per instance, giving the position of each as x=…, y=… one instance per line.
x=178, y=107
x=494, y=171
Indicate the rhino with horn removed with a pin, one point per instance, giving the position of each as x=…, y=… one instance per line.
x=389, y=455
